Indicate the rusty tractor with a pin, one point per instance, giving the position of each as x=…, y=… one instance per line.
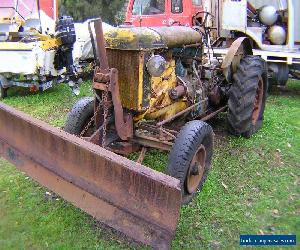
x=153, y=88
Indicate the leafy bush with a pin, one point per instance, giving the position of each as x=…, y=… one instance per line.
x=111, y=11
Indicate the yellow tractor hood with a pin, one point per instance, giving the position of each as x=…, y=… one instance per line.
x=142, y=38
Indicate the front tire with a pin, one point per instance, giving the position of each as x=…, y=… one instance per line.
x=247, y=97
x=190, y=158
x=3, y=92
x=80, y=115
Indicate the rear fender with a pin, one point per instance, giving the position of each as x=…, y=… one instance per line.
x=240, y=48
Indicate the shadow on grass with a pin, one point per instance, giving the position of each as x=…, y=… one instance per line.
x=291, y=90
x=17, y=91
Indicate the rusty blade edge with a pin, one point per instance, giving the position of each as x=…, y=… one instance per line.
x=49, y=155
x=110, y=156
x=132, y=226
x=20, y=130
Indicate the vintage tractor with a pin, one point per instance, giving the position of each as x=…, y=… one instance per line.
x=154, y=88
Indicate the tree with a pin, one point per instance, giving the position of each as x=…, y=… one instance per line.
x=109, y=10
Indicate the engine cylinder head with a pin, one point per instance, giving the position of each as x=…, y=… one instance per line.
x=277, y=35
x=268, y=15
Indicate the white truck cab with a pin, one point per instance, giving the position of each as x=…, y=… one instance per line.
x=271, y=26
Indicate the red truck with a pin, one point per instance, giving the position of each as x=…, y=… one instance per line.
x=164, y=12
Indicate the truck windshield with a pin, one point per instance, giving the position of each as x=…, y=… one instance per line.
x=148, y=7
x=18, y=8
x=176, y=6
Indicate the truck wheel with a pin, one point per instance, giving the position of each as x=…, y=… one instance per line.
x=280, y=74
x=80, y=115
x=247, y=97
x=295, y=71
x=190, y=158
x=3, y=92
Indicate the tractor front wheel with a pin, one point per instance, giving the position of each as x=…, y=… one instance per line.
x=190, y=158
x=79, y=116
x=3, y=92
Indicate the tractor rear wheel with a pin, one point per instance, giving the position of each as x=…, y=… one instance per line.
x=247, y=97
x=190, y=158
x=80, y=115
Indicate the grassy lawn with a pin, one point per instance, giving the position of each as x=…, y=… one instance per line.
x=253, y=187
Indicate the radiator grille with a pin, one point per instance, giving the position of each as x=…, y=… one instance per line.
x=129, y=64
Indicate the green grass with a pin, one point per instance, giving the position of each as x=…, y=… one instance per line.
x=253, y=187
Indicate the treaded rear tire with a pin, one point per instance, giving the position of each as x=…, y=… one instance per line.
x=191, y=137
x=251, y=73
x=78, y=117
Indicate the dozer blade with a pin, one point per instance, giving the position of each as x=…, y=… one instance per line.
x=133, y=199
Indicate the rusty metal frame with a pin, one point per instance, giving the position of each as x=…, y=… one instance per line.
x=240, y=46
x=213, y=114
x=181, y=113
x=238, y=49
x=159, y=137
x=106, y=79
x=149, y=135
x=152, y=142
x=133, y=199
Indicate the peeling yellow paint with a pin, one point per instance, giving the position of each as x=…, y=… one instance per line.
x=16, y=46
x=161, y=105
x=132, y=39
x=51, y=43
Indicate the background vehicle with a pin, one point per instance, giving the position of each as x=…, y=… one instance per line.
x=163, y=13
x=27, y=13
x=36, y=45
x=270, y=25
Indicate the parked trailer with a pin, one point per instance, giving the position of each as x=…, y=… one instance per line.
x=37, y=46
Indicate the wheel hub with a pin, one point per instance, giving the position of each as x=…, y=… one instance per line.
x=196, y=170
x=258, y=101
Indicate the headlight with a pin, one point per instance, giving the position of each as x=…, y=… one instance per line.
x=156, y=65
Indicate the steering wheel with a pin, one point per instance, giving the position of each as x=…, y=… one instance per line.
x=198, y=15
